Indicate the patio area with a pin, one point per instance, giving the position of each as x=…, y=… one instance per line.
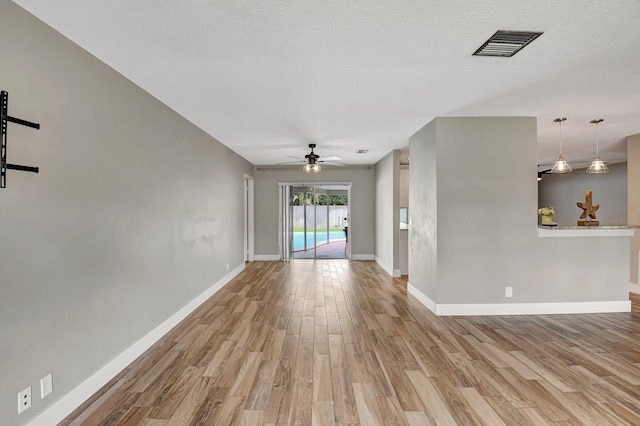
x=335, y=250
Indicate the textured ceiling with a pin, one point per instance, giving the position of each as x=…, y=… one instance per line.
x=267, y=77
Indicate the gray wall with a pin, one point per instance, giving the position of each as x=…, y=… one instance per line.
x=564, y=191
x=403, y=240
x=387, y=177
x=135, y=212
x=361, y=226
x=633, y=208
x=475, y=226
x=423, y=211
x=404, y=186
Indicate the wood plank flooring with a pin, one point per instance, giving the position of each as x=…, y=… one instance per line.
x=333, y=342
x=635, y=302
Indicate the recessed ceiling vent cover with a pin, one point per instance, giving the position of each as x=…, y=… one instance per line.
x=506, y=43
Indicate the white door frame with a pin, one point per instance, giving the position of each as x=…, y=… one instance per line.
x=249, y=220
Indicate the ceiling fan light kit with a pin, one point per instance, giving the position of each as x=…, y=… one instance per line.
x=312, y=168
x=313, y=159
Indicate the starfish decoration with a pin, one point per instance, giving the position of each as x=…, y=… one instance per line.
x=588, y=208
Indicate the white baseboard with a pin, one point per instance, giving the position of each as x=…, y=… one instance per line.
x=422, y=298
x=634, y=288
x=363, y=257
x=64, y=406
x=266, y=257
x=465, y=309
x=383, y=266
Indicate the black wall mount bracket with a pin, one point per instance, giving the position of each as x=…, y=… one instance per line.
x=6, y=118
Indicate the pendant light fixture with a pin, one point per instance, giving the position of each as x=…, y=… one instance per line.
x=561, y=165
x=597, y=165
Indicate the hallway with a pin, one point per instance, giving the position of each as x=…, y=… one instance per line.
x=337, y=342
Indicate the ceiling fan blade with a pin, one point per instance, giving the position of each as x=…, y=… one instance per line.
x=333, y=158
x=335, y=163
x=292, y=162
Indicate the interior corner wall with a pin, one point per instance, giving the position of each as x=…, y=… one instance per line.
x=361, y=222
x=135, y=212
x=387, y=213
x=633, y=202
x=423, y=211
x=475, y=226
x=563, y=191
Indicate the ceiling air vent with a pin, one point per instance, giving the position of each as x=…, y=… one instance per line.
x=506, y=43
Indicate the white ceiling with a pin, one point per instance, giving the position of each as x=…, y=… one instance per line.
x=267, y=77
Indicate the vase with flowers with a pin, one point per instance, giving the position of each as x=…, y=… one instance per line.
x=547, y=214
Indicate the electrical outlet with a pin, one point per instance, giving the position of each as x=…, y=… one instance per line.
x=24, y=400
x=46, y=385
x=508, y=292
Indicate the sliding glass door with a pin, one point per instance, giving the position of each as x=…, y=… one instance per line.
x=318, y=221
x=302, y=225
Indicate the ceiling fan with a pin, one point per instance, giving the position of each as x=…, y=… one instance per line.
x=312, y=159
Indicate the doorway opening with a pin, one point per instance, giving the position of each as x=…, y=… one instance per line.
x=249, y=221
x=319, y=221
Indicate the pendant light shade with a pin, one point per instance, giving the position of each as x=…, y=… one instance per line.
x=561, y=165
x=597, y=165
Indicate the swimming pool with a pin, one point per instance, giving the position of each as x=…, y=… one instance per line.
x=298, y=239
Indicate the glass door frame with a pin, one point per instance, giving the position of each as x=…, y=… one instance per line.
x=304, y=190
x=289, y=237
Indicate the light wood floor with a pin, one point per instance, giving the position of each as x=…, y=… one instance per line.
x=337, y=342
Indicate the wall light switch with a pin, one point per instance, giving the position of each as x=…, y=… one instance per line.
x=46, y=385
